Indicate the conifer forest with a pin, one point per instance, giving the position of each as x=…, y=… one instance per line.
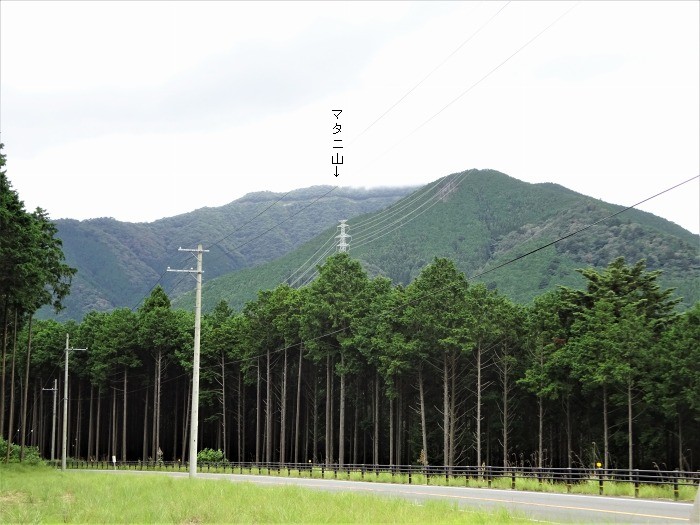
x=355, y=370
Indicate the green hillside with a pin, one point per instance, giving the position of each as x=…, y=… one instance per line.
x=481, y=219
x=119, y=262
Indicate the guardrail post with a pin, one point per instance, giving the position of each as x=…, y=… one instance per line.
x=568, y=479
x=600, y=482
x=410, y=470
x=323, y=470
x=636, y=483
x=675, y=484
x=512, y=480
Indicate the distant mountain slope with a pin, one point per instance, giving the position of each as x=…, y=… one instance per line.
x=119, y=262
x=482, y=219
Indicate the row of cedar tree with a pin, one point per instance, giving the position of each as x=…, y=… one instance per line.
x=355, y=370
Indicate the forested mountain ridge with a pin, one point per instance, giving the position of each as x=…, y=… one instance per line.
x=118, y=262
x=482, y=219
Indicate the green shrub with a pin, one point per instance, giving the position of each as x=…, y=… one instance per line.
x=31, y=454
x=208, y=455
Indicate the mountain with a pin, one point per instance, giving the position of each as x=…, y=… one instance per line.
x=482, y=219
x=119, y=262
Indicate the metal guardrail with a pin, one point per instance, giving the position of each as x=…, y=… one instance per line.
x=418, y=473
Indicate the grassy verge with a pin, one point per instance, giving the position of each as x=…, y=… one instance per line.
x=610, y=488
x=40, y=494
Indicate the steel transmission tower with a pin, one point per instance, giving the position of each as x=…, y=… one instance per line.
x=343, y=237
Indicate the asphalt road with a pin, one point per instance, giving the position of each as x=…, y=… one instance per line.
x=554, y=508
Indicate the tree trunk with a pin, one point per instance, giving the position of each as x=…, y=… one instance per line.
x=453, y=410
x=144, y=450
x=5, y=331
x=26, y=390
x=223, y=405
x=175, y=427
x=445, y=413
x=680, y=443
x=315, y=418
x=283, y=413
x=126, y=373
x=328, y=409
x=243, y=426
x=605, y=427
x=298, y=409
x=42, y=418
x=23, y=439
x=505, y=382
x=341, y=416
x=478, y=404
x=79, y=422
x=91, y=429
x=540, y=430
x=258, y=418
x=399, y=424
x=239, y=417
x=115, y=442
x=37, y=405
x=569, y=450
x=186, y=412
x=629, y=426
x=97, y=422
x=11, y=422
x=156, y=448
x=391, y=431
x=332, y=426
x=268, y=412
x=424, y=430
x=355, y=419
x=376, y=420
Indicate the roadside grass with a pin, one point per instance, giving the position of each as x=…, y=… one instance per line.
x=42, y=494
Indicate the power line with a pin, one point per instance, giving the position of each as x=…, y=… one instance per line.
x=397, y=207
x=402, y=222
x=476, y=83
x=460, y=46
x=583, y=228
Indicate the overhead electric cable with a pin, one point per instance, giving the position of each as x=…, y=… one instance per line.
x=402, y=220
x=460, y=46
x=396, y=208
x=329, y=244
x=476, y=83
x=584, y=228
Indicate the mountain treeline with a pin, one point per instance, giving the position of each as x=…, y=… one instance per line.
x=481, y=219
x=353, y=369
x=118, y=262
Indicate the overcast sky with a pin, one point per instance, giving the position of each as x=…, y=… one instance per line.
x=138, y=110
